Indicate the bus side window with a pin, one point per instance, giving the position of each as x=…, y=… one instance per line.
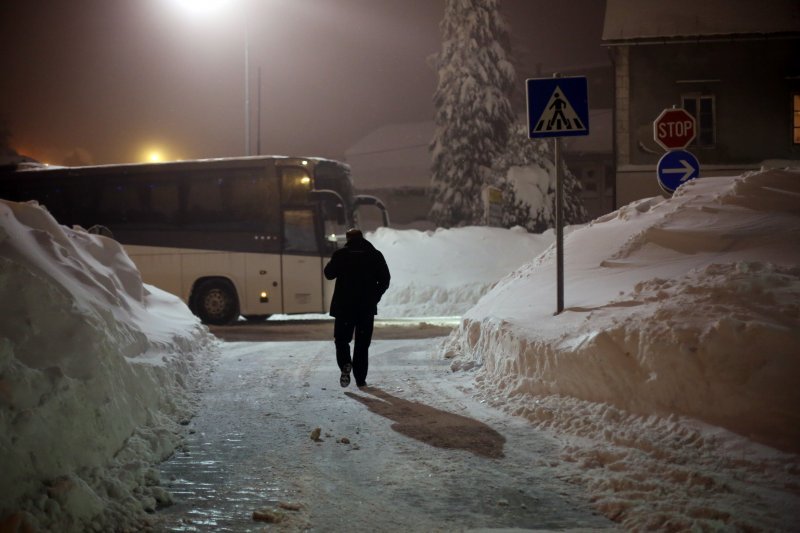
x=52, y=196
x=295, y=184
x=161, y=200
x=298, y=231
x=247, y=199
x=203, y=206
x=84, y=198
x=120, y=203
x=243, y=202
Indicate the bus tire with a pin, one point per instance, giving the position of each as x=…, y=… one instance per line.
x=215, y=302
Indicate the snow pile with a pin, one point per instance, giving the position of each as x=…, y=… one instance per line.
x=445, y=272
x=685, y=307
x=689, y=305
x=94, y=374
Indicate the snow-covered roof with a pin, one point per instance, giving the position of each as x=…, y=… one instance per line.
x=392, y=155
x=641, y=20
x=393, y=137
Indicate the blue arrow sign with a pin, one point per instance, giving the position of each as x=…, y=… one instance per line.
x=676, y=168
x=557, y=107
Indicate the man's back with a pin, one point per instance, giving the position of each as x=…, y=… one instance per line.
x=361, y=275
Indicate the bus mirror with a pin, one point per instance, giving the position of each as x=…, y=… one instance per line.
x=99, y=229
x=330, y=198
x=365, y=199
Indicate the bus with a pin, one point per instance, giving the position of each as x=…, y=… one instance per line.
x=246, y=236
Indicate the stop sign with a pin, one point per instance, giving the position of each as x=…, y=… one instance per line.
x=674, y=129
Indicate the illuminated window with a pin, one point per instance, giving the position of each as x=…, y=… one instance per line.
x=295, y=185
x=703, y=109
x=796, y=118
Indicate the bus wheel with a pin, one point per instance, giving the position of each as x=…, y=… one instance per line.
x=256, y=318
x=215, y=302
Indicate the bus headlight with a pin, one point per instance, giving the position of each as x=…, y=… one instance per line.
x=264, y=297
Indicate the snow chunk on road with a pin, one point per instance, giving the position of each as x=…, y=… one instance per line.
x=94, y=371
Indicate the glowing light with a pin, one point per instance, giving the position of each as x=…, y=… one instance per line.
x=157, y=151
x=304, y=162
x=305, y=181
x=202, y=6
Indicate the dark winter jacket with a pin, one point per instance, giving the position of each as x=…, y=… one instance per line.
x=361, y=275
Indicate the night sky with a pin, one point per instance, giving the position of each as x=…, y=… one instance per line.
x=108, y=81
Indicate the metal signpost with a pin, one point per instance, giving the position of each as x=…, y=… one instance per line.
x=673, y=130
x=558, y=107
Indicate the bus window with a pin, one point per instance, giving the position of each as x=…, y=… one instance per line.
x=119, y=204
x=203, y=206
x=83, y=199
x=162, y=201
x=295, y=183
x=248, y=202
x=299, y=234
x=52, y=196
x=230, y=202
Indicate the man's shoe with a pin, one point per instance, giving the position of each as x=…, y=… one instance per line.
x=344, y=379
x=362, y=384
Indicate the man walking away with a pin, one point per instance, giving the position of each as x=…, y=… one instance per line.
x=362, y=277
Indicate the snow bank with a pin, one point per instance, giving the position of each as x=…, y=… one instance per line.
x=94, y=374
x=687, y=306
x=445, y=272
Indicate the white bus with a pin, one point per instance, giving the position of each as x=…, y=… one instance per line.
x=235, y=236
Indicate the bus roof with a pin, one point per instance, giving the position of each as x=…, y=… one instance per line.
x=233, y=162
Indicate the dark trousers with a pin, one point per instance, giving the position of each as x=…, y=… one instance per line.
x=343, y=329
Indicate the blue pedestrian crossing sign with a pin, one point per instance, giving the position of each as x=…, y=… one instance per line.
x=557, y=107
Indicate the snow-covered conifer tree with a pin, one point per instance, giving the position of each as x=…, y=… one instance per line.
x=473, y=111
x=525, y=172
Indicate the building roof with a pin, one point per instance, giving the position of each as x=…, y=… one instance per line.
x=393, y=155
x=656, y=20
x=393, y=137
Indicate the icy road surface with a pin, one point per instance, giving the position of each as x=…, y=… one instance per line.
x=413, y=452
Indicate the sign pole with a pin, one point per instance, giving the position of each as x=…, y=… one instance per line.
x=559, y=228
x=558, y=107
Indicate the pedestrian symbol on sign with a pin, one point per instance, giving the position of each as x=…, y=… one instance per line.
x=559, y=116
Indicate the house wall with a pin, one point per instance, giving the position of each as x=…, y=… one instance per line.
x=752, y=82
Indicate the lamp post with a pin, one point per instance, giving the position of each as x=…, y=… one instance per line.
x=246, y=88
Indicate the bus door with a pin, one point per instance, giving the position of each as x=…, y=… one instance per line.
x=263, y=280
x=301, y=263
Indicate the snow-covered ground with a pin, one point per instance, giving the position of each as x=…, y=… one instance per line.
x=446, y=271
x=670, y=377
x=96, y=372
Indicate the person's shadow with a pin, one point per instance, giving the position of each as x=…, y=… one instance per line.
x=433, y=426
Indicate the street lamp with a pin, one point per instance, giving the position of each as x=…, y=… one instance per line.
x=205, y=8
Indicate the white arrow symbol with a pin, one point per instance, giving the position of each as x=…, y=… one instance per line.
x=687, y=170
